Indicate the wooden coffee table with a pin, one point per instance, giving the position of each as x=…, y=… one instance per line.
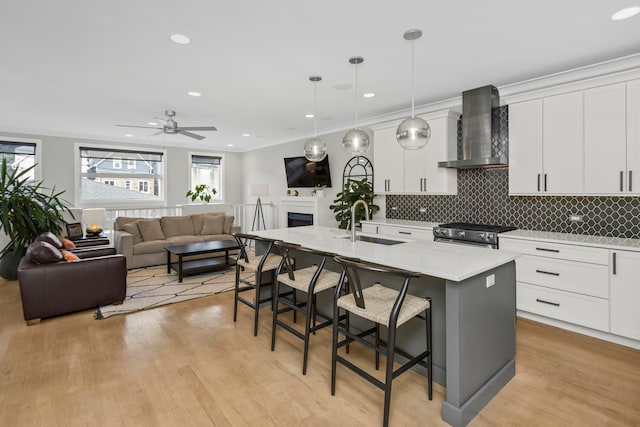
x=200, y=265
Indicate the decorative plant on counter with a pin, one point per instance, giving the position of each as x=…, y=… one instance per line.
x=202, y=192
x=353, y=190
x=25, y=212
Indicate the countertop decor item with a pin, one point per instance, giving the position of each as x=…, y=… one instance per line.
x=315, y=149
x=356, y=141
x=413, y=132
x=27, y=210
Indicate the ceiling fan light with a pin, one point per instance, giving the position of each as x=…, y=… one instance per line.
x=413, y=133
x=315, y=149
x=180, y=39
x=356, y=142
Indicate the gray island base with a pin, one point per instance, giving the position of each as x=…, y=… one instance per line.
x=473, y=294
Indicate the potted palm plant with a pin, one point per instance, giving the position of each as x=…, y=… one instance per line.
x=353, y=190
x=27, y=210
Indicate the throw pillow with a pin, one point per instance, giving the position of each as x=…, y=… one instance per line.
x=69, y=256
x=228, y=223
x=43, y=252
x=198, y=219
x=68, y=244
x=213, y=225
x=177, y=226
x=150, y=229
x=50, y=238
x=132, y=228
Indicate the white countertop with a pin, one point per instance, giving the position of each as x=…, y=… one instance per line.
x=403, y=223
x=575, y=239
x=443, y=260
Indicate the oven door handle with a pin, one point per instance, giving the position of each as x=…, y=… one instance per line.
x=464, y=242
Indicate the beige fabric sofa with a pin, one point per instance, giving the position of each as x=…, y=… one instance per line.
x=143, y=241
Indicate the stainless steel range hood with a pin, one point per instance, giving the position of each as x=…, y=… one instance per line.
x=477, y=112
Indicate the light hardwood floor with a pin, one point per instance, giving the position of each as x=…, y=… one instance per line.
x=189, y=364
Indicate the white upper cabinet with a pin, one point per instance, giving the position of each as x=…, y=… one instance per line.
x=421, y=171
x=400, y=171
x=562, y=148
x=633, y=136
x=605, y=140
x=525, y=147
x=545, y=145
x=388, y=159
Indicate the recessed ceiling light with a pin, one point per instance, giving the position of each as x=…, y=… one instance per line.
x=180, y=39
x=229, y=145
x=129, y=135
x=625, y=13
x=246, y=134
x=369, y=95
x=309, y=116
x=153, y=123
x=192, y=93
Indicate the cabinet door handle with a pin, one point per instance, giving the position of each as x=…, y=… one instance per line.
x=555, y=304
x=538, y=182
x=630, y=181
x=614, y=264
x=404, y=232
x=621, y=179
x=547, y=272
x=425, y=184
x=545, y=182
x=548, y=250
x=421, y=184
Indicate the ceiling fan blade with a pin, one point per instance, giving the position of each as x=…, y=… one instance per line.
x=157, y=133
x=189, y=134
x=144, y=127
x=197, y=128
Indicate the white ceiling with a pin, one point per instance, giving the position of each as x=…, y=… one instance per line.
x=77, y=67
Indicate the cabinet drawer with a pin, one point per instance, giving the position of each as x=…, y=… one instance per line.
x=588, y=279
x=582, y=310
x=405, y=232
x=556, y=250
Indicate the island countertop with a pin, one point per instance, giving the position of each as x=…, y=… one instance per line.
x=443, y=260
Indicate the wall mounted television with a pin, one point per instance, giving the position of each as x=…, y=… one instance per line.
x=304, y=173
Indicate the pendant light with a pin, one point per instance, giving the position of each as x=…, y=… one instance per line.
x=356, y=142
x=413, y=133
x=315, y=149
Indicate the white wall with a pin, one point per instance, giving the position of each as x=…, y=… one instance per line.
x=267, y=166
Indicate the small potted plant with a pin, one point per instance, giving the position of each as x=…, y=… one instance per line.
x=353, y=190
x=202, y=192
x=318, y=190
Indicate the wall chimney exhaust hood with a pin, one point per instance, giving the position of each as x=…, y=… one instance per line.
x=477, y=148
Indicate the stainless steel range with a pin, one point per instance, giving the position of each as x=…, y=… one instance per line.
x=471, y=234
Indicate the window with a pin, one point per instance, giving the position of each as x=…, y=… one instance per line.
x=207, y=170
x=103, y=180
x=19, y=155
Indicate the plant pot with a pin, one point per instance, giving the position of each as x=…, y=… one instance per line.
x=9, y=264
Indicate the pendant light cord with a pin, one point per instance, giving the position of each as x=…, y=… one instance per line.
x=413, y=114
x=315, y=108
x=356, y=95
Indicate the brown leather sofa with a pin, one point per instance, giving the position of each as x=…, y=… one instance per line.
x=50, y=285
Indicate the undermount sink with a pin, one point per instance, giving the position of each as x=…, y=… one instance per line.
x=371, y=239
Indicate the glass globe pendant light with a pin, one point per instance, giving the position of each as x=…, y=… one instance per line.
x=413, y=132
x=315, y=149
x=356, y=141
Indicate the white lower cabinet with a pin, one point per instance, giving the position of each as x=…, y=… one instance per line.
x=560, y=281
x=403, y=232
x=625, y=293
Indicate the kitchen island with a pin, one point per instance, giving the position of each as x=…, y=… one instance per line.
x=473, y=294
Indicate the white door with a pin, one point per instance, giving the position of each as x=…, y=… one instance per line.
x=525, y=147
x=624, y=295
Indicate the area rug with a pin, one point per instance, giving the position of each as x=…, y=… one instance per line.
x=153, y=287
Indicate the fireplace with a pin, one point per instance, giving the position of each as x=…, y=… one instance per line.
x=297, y=219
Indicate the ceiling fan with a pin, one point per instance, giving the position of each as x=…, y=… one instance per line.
x=171, y=127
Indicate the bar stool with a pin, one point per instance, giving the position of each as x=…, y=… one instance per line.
x=310, y=280
x=382, y=306
x=247, y=260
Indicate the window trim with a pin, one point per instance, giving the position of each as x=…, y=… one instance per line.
x=38, y=159
x=221, y=191
x=117, y=203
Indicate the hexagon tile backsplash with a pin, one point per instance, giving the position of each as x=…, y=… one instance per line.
x=483, y=198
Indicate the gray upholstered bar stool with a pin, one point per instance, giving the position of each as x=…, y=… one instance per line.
x=261, y=265
x=309, y=280
x=382, y=306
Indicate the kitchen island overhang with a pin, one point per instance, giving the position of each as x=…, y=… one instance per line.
x=473, y=293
